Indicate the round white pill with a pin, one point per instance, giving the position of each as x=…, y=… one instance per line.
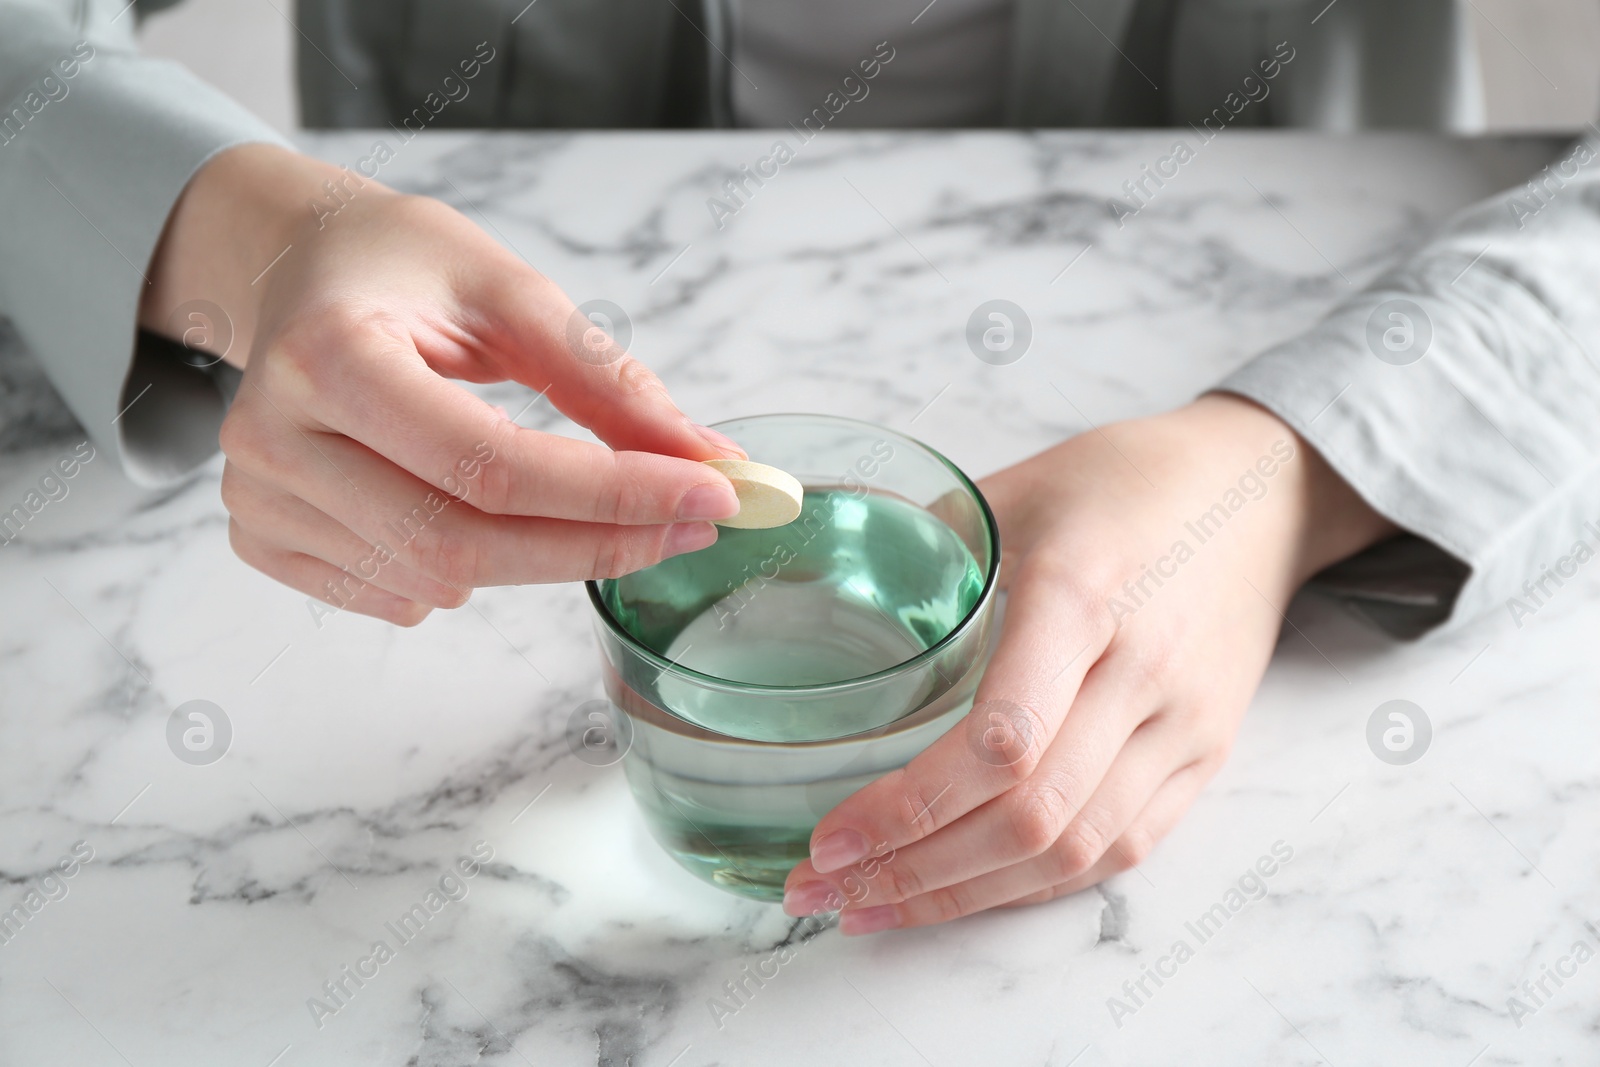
x=767, y=496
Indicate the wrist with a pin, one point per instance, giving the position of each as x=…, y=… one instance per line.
x=1316, y=518
x=234, y=220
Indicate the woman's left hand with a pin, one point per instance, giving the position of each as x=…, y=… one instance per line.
x=1148, y=566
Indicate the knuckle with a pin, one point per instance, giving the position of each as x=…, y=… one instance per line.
x=249, y=501
x=1209, y=750
x=611, y=504
x=510, y=288
x=1034, y=833
x=232, y=436
x=1218, y=745
x=1151, y=662
x=404, y=613
x=1040, y=897
x=494, y=494
x=233, y=492
x=242, y=546
x=298, y=366
x=1088, y=580
x=493, y=489
x=1039, y=815
x=243, y=431
x=633, y=377
x=633, y=495
x=1008, y=738
x=622, y=551
x=1135, y=846
x=921, y=818
x=1018, y=771
x=1089, y=575
x=255, y=437
x=1077, y=851
x=295, y=362
x=425, y=211
x=446, y=554
x=253, y=552
x=609, y=557
x=1031, y=728
x=611, y=501
x=296, y=352
x=895, y=883
x=380, y=604
x=951, y=902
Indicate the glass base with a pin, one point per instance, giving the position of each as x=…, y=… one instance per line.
x=749, y=863
x=749, y=858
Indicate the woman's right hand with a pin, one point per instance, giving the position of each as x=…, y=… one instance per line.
x=356, y=472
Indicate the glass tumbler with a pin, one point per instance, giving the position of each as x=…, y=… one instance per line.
x=758, y=682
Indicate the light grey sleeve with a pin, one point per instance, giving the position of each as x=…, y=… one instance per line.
x=1459, y=395
x=96, y=144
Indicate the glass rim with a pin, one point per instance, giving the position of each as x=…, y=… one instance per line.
x=990, y=580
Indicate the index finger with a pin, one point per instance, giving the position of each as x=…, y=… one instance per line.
x=538, y=337
x=1049, y=641
x=383, y=394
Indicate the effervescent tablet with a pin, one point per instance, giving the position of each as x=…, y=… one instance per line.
x=767, y=496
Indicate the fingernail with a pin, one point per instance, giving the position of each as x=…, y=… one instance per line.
x=688, y=537
x=712, y=500
x=868, y=920
x=838, y=849
x=717, y=440
x=811, y=898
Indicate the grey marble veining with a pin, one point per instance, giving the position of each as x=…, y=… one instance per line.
x=365, y=761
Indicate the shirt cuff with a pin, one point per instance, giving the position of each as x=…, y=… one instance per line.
x=1457, y=404
x=86, y=186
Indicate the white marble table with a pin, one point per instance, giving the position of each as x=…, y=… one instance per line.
x=364, y=760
